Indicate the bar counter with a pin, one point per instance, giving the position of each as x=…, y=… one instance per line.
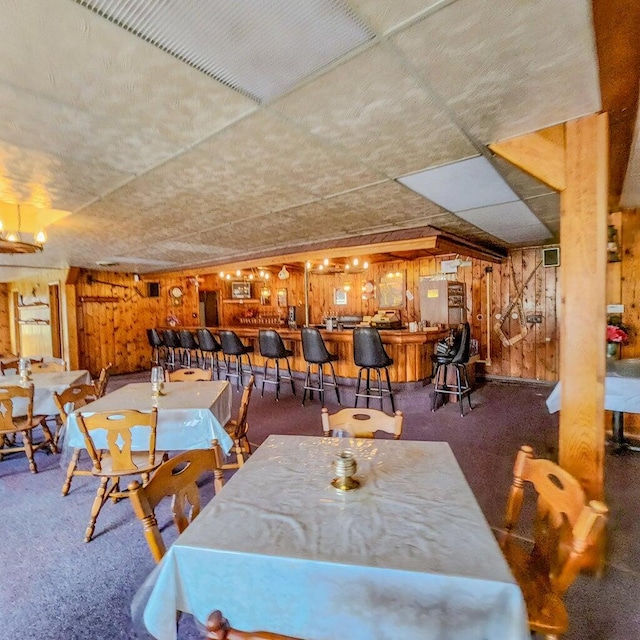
x=411, y=352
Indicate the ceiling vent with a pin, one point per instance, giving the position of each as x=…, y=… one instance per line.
x=262, y=49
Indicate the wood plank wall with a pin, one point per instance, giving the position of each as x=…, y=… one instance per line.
x=5, y=330
x=114, y=329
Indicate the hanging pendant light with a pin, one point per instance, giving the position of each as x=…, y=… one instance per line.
x=13, y=243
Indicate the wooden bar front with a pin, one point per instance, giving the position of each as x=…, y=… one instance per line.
x=411, y=352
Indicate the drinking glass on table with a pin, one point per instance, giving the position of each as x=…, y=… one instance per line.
x=157, y=380
x=24, y=368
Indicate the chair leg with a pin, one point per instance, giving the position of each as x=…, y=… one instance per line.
x=459, y=389
x=28, y=450
x=218, y=480
x=48, y=438
x=307, y=377
x=358, y=386
x=264, y=377
x=321, y=383
x=368, y=390
x=98, y=502
x=335, y=383
x=277, y=379
x=393, y=403
x=70, y=471
x=293, y=387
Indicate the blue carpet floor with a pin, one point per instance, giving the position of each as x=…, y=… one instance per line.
x=53, y=585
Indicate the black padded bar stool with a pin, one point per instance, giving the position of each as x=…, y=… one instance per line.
x=369, y=354
x=156, y=344
x=232, y=347
x=171, y=342
x=315, y=352
x=272, y=348
x=458, y=361
x=189, y=347
x=211, y=347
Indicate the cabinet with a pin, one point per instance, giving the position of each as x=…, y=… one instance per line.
x=442, y=302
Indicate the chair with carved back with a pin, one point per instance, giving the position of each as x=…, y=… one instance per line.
x=239, y=428
x=190, y=375
x=14, y=365
x=101, y=382
x=116, y=458
x=218, y=628
x=565, y=530
x=11, y=425
x=362, y=423
x=177, y=478
x=72, y=398
x=47, y=367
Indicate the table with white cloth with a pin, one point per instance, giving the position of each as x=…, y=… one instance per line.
x=44, y=384
x=407, y=555
x=190, y=416
x=621, y=395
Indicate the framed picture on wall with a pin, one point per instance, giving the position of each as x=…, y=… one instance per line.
x=282, y=297
x=339, y=297
x=391, y=290
x=240, y=290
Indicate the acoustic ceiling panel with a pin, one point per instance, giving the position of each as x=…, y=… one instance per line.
x=469, y=184
x=241, y=43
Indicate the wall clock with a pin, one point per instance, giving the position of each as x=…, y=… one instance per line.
x=176, y=294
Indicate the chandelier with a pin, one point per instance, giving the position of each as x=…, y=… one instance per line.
x=13, y=242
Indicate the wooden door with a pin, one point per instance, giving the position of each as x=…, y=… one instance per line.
x=54, y=311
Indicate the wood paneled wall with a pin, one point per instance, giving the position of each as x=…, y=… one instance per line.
x=5, y=330
x=114, y=311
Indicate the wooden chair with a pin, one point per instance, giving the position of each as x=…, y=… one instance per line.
x=47, y=367
x=11, y=365
x=77, y=395
x=218, y=628
x=11, y=426
x=362, y=423
x=239, y=428
x=119, y=460
x=177, y=478
x=565, y=528
x=102, y=381
x=191, y=375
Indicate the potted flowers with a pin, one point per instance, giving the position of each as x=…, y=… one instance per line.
x=617, y=334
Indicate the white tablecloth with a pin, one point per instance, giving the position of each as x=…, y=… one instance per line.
x=621, y=387
x=408, y=555
x=190, y=415
x=44, y=385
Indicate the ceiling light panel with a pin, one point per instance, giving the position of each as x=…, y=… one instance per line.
x=469, y=184
x=512, y=222
x=262, y=49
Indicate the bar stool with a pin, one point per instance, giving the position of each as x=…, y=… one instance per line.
x=189, y=345
x=458, y=361
x=232, y=347
x=209, y=345
x=272, y=348
x=369, y=353
x=171, y=342
x=315, y=352
x=156, y=343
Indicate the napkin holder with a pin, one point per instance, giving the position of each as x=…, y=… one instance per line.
x=346, y=467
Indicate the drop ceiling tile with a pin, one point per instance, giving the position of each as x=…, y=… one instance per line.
x=451, y=223
x=88, y=90
x=506, y=220
x=508, y=67
x=50, y=181
x=371, y=106
x=467, y=184
x=384, y=15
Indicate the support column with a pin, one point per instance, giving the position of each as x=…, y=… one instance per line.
x=583, y=242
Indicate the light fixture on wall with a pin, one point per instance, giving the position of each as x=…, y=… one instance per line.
x=13, y=242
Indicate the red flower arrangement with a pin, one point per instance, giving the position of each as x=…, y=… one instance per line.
x=617, y=333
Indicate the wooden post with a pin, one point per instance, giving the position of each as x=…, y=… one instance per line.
x=583, y=241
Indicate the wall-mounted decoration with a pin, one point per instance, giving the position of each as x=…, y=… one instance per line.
x=265, y=294
x=282, y=297
x=368, y=290
x=176, y=294
x=339, y=296
x=241, y=290
x=283, y=274
x=391, y=290
x=613, y=246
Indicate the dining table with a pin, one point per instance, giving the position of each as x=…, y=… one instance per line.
x=190, y=416
x=406, y=555
x=44, y=385
x=621, y=395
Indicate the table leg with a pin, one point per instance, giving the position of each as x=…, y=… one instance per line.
x=620, y=443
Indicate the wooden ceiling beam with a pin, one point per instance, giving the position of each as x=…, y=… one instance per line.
x=541, y=154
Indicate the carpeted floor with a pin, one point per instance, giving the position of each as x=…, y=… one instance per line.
x=52, y=585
